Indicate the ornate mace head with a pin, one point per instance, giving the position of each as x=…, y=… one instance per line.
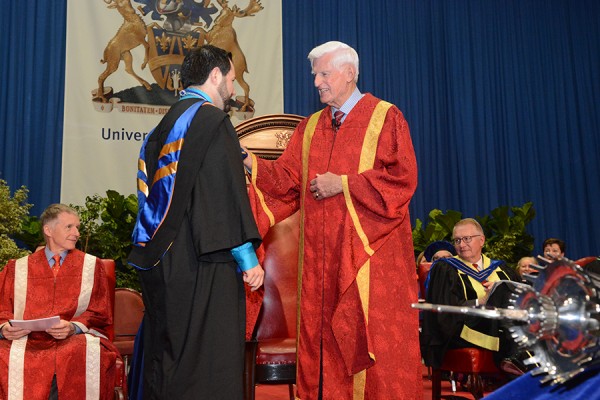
x=557, y=318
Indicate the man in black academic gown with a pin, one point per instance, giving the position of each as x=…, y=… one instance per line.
x=194, y=240
x=466, y=279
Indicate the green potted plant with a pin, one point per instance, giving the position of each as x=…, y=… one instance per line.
x=106, y=227
x=13, y=209
x=506, y=235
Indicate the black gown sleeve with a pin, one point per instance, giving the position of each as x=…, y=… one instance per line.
x=220, y=211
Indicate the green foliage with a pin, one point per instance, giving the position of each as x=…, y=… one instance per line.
x=507, y=238
x=12, y=211
x=106, y=227
x=9, y=250
x=31, y=232
x=439, y=227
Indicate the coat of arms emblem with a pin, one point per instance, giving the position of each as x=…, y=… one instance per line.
x=167, y=30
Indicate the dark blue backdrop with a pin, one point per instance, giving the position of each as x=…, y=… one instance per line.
x=502, y=97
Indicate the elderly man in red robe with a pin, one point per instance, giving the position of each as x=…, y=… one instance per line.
x=350, y=170
x=71, y=359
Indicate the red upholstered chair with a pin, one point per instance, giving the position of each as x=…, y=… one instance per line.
x=472, y=360
x=422, y=272
x=129, y=311
x=121, y=377
x=271, y=357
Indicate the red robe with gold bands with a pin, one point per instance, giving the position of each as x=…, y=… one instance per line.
x=356, y=268
x=84, y=364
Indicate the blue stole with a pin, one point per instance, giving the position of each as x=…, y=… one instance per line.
x=153, y=204
x=479, y=276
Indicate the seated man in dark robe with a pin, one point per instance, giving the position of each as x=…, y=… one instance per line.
x=466, y=279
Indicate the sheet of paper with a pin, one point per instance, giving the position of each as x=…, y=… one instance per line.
x=36, y=324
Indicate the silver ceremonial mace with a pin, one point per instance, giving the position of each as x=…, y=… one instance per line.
x=557, y=318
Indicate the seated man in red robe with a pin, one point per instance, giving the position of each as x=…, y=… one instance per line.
x=72, y=359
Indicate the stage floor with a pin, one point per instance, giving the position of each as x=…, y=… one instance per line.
x=280, y=392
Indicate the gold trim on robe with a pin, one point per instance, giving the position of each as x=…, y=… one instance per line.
x=309, y=131
x=367, y=160
x=480, y=339
x=469, y=334
x=259, y=193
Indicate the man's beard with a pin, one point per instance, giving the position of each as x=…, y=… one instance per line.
x=226, y=97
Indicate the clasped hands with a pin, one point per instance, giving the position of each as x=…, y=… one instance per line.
x=326, y=185
x=323, y=186
x=60, y=331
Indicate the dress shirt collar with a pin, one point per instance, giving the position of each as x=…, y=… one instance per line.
x=349, y=104
x=480, y=262
x=50, y=254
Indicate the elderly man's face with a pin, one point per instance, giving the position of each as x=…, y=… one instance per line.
x=334, y=86
x=468, y=242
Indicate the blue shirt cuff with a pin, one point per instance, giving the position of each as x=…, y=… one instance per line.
x=245, y=256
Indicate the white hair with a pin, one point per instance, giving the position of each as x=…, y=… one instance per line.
x=344, y=54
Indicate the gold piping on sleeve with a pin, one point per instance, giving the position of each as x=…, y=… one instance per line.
x=360, y=381
x=259, y=193
x=354, y=216
x=363, y=281
x=309, y=131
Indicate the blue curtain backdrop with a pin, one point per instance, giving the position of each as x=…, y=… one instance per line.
x=502, y=97
x=32, y=69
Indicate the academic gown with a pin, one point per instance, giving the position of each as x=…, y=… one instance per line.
x=84, y=364
x=357, y=335
x=442, y=331
x=194, y=324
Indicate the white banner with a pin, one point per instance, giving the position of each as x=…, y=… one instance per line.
x=122, y=74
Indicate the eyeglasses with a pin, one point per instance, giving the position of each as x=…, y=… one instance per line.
x=465, y=239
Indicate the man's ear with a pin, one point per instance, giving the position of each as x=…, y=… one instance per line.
x=350, y=73
x=215, y=76
x=46, y=230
